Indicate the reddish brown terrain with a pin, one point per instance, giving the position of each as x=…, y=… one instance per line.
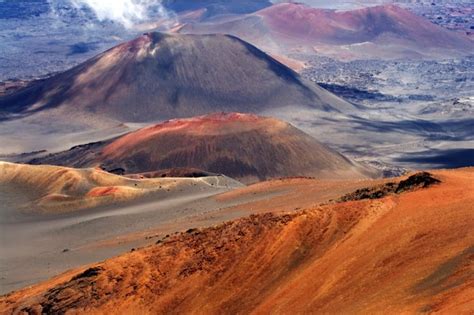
x=242, y=146
x=356, y=26
x=381, y=31
x=150, y=180
x=409, y=251
x=95, y=215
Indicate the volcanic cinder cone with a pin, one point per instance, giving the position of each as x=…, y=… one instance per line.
x=158, y=76
x=385, y=31
x=242, y=146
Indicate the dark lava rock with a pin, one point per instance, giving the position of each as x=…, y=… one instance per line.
x=89, y=273
x=416, y=181
x=419, y=180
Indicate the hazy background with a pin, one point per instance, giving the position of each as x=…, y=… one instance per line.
x=39, y=37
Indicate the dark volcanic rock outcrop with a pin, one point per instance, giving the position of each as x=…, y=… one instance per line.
x=416, y=181
x=173, y=172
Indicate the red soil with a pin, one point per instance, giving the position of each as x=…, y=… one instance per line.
x=103, y=191
x=404, y=253
x=217, y=122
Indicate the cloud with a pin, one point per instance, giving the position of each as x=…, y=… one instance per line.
x=125, y=12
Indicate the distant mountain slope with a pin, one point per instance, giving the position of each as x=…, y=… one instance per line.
x=158, y=76
x=242, y=146
x=404, y=254
x=217, y=7
x=381, y=31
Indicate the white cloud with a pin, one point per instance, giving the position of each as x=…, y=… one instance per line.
x=125, y=12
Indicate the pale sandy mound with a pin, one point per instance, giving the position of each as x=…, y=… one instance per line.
x=46, y=188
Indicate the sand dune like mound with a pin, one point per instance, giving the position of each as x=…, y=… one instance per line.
x=406, y=253
x=55, y=189
x=242, y=146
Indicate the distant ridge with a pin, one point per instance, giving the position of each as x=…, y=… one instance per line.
x=217, y=7
x=385, y=31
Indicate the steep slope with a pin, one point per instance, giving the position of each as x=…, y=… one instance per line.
x=54, y=189
x=406, y=253
x=242, y=146
x=381, y=31
x=158, y=76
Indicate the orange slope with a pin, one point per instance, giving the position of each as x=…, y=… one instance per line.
x=405, y=253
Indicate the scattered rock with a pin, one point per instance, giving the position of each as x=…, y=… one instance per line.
x=418, y=180
x=117, y=171
x=89, y=273
x=375, y=192
x=192, y=231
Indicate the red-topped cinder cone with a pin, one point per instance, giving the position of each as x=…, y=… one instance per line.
x=360, y=25
x=243, y=146
x=385, y=31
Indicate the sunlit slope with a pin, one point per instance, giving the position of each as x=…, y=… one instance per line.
x=56, y=189
x=405, y=253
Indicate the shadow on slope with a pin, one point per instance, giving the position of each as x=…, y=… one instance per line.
x=436, y=158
